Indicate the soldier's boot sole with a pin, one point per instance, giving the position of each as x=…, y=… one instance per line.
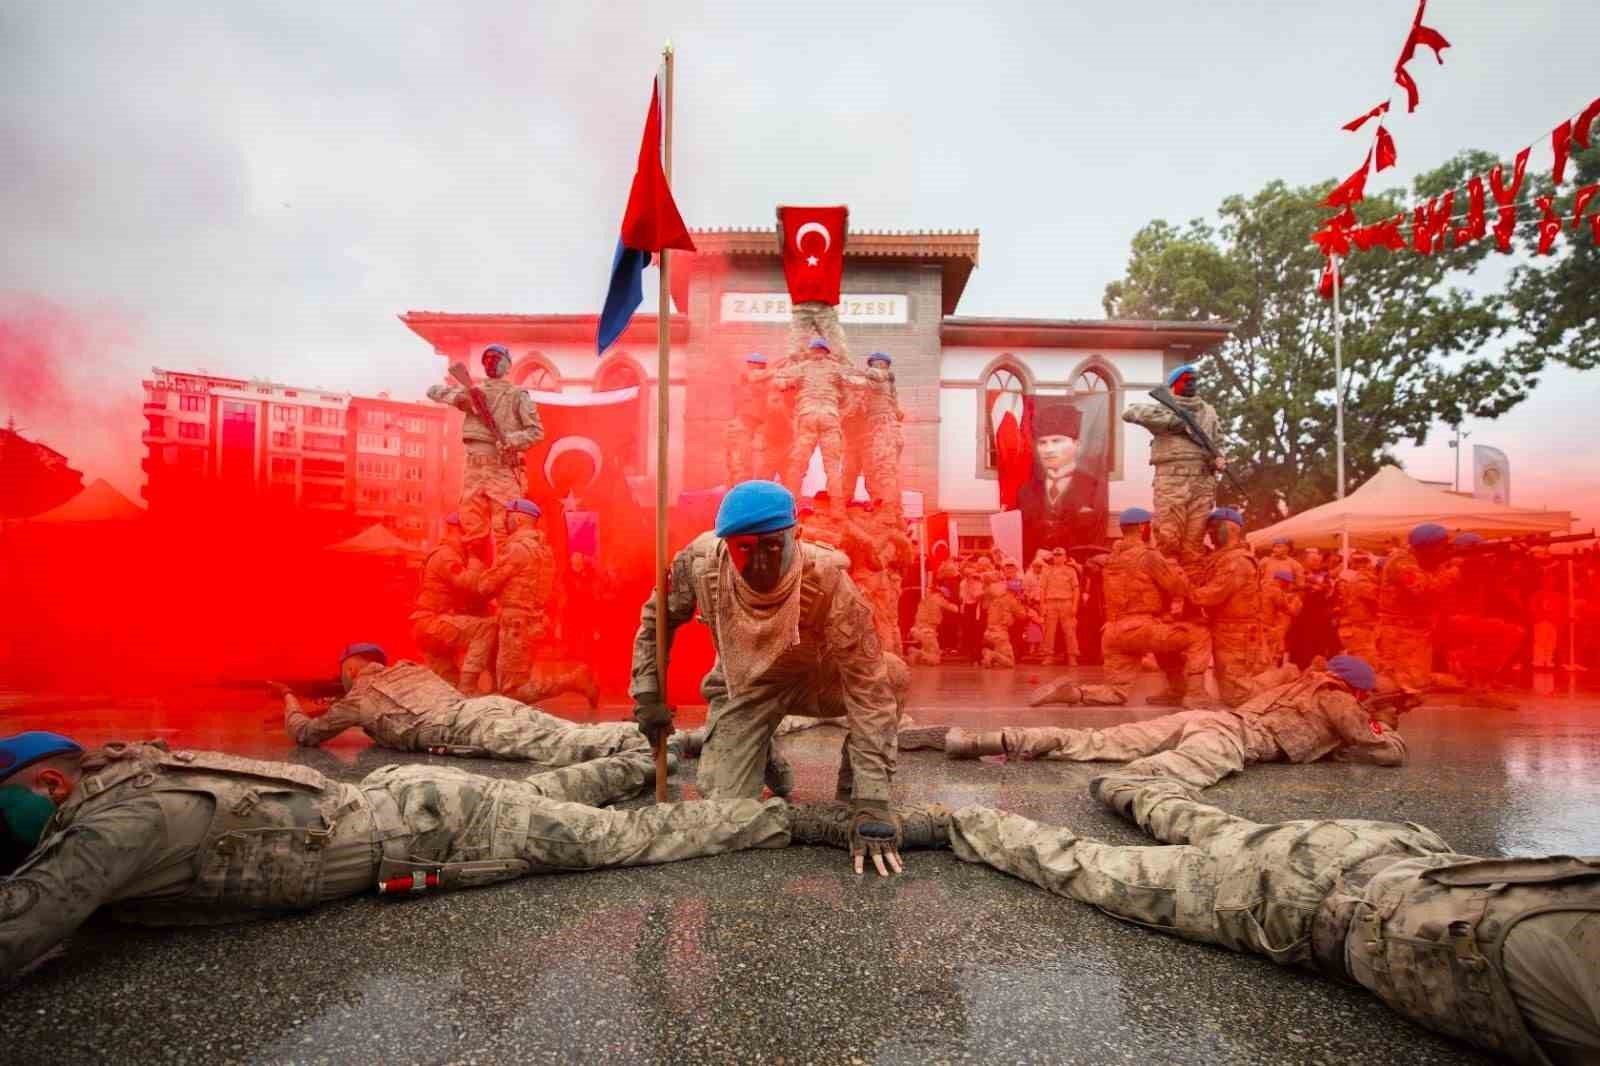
x=925, y=737
x=969, y=744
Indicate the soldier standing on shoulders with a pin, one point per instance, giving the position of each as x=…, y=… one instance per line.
x=1186, y=475
x=818, y=377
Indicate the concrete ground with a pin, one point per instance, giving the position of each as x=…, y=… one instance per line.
x=786, y=957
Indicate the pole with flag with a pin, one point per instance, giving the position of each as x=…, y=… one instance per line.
x=651, y=225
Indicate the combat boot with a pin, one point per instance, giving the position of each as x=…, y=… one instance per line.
x=687, y=742
x=931, y=736
x=779, y=774
x=1061, y=690
x=969, y=744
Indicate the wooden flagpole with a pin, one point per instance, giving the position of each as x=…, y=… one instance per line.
x=663, y=377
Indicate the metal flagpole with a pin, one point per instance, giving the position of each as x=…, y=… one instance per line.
x=663, y=376
x=1338, y=409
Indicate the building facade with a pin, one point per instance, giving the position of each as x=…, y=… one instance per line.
x=900, y=295
x=376, y=459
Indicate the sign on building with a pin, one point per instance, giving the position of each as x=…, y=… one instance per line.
x=855, y=308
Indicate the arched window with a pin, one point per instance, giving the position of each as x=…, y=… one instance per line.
x=618, y=373
x=1003, y=391
x=1096, y=396
x=621, y=372
x=534, y=371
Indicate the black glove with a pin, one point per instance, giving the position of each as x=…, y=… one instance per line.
x=875, y=832
x=654, y=718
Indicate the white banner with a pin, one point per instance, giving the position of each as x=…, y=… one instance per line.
x=855, y=308
x=1006, y=528
x=1491, y=474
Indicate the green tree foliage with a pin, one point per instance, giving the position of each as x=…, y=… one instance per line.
x=1556, y=298
x=1413, y=337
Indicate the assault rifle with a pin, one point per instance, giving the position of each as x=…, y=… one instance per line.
x=1163, y=396
x=316, y=687
x=480, y=404
x=1531, y=540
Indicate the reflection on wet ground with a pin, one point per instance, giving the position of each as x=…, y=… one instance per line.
x=784, y=956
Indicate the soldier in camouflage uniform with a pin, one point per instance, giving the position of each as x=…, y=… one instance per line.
x=1319, y=715
x=745, y=440
x=1186, y=475
x=408, y=708
x=1501, y=953
x=523, y=579
x=818, y=376
x=1060, y=591
x=1279, y=604
x=1229, y=591
x=494, y=474
x=935, y=604
x=1357, y=597
x=1004, y=612
x=1414, y=583
x=451, y=619
x=793, y=635
x=885, y=440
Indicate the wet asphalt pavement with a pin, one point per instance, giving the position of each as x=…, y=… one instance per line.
x=785, y=956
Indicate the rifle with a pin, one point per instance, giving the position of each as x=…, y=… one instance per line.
x=480, y=404
x=1531, y=540
x=315, y=687
x=1164, y=397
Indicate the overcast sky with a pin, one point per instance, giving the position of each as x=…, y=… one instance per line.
x=262, y=189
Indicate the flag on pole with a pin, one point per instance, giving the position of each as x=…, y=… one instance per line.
x=1491, y=474
x=813, y=251
x=650, y=223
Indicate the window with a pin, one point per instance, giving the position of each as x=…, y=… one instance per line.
x=322, y=416
x=413, y=424
x=286, y=415
x=376, y=419
x=378, y=442
x=155, y=397
x=412, y=496
x=191, y=431
x=322, y=493
x=413, y=473
x=191, y=403
x=382, y=469
x=283, y=438
x=415, y=449
x=1097, y=399
x=622, y=372
x=322, y=442
x=535, y=372
x=158, y=425
x=323, y=468
x=378, y=497
x=282, y=468
x=1003, y=391
x=291, y=393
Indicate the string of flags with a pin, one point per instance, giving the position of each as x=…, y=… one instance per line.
x=1435, y=225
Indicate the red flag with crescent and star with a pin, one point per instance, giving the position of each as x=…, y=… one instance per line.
x=813, y=251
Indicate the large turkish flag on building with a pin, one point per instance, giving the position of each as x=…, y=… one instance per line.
x=813, y=251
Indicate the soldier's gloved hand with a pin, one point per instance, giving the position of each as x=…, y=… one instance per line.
x=278, y=688
x=875, y=831
x=654, y=718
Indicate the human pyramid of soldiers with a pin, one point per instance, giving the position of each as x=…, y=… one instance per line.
x=1501, y=953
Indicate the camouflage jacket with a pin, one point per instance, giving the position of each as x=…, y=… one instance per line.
x=391, y=704
x=449, y=584
x=1230, y=588
x=1314, y=716
x=1408, y=594
x=820, y=381
x=1358, y=599
x=1170, y=441
x=523, y=578
x=511, y=405
x=1139, y=580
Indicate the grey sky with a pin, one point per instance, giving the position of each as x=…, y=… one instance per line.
x=262, y=189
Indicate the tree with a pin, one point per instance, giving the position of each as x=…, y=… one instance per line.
x=1556, y=300
x=1413, y=336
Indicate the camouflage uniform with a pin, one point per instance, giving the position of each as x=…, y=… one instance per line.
x=885, y=441
x=1138, y=583
x=1477, y=645
x=853, y=432
x=492, y=478
x=1278, y=608
x=1004, y=612
x=1449, y=941
x=1310, y=718
x=1059, y=588
x=819, y=377
x=450, y=619
x=1357, y=595
x=744, y=441
x=1185, y=481
x=521, y=579
x=1230, y=592
x=811, y=318
x=1407, y=596
x=829, y=665
x=408, y=708
x=188, y=838
x=925, y=633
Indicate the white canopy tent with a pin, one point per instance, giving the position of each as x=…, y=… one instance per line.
x=1380, y=513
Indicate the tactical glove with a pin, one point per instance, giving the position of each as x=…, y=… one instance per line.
x=875, y=831
x=654, y=718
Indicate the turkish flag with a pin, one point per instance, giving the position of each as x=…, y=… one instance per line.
x=1013, y=430
x=813, y=251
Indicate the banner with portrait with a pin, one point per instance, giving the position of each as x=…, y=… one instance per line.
x=1065, y=499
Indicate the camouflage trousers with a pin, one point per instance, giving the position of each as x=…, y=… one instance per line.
x=740, y=728
x=884, y=445
x=487, y=485
x=925, y=649
x=1224, y=880
x=442, y=637
x=1477, y=647
x=1361, y=639
x=997, y=649
x=1061, y=615
x=1198, y=748
x=745, y=451
x=517, y=630
x=481, y=830
x=503, y=728
x=882, y=591
x=1182, y=649
x=1405, y=653
x=811, y=318
x=1184, y=495
x=1276, y=640
x=1236, y=658
x=853, y=454
x=817, y=428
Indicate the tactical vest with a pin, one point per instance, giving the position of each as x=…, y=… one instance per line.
x=503, y=398
x=405, y=698
x=263, y=849
x=882, y=404
x=1129, y=588
x=1290, y=714
x=529, y=588
x=1431, y=944
x=1245, y=606
x=816, y=583
x=1178, y=447
x=437, y=595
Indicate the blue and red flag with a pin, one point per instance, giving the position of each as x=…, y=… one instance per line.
x=650, y=223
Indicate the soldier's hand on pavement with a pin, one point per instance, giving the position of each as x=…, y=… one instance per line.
x=654, y=718
x=876, y=833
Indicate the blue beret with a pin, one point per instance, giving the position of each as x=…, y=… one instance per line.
x=527, y=507
x=1135, y=516
x=755, y=507
x=1466, y=540
x=1226, y=514
x=365, y=649
x=453, y=518
x=818, y=342
x=24, y=749
x=1286, y=578
x=1428, y=534
x=756, y=359
x=1015, y=584
x=880, y=357
x=1281, y=540
x=1186, y=368
x=498, y=348
x=1353, y=671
